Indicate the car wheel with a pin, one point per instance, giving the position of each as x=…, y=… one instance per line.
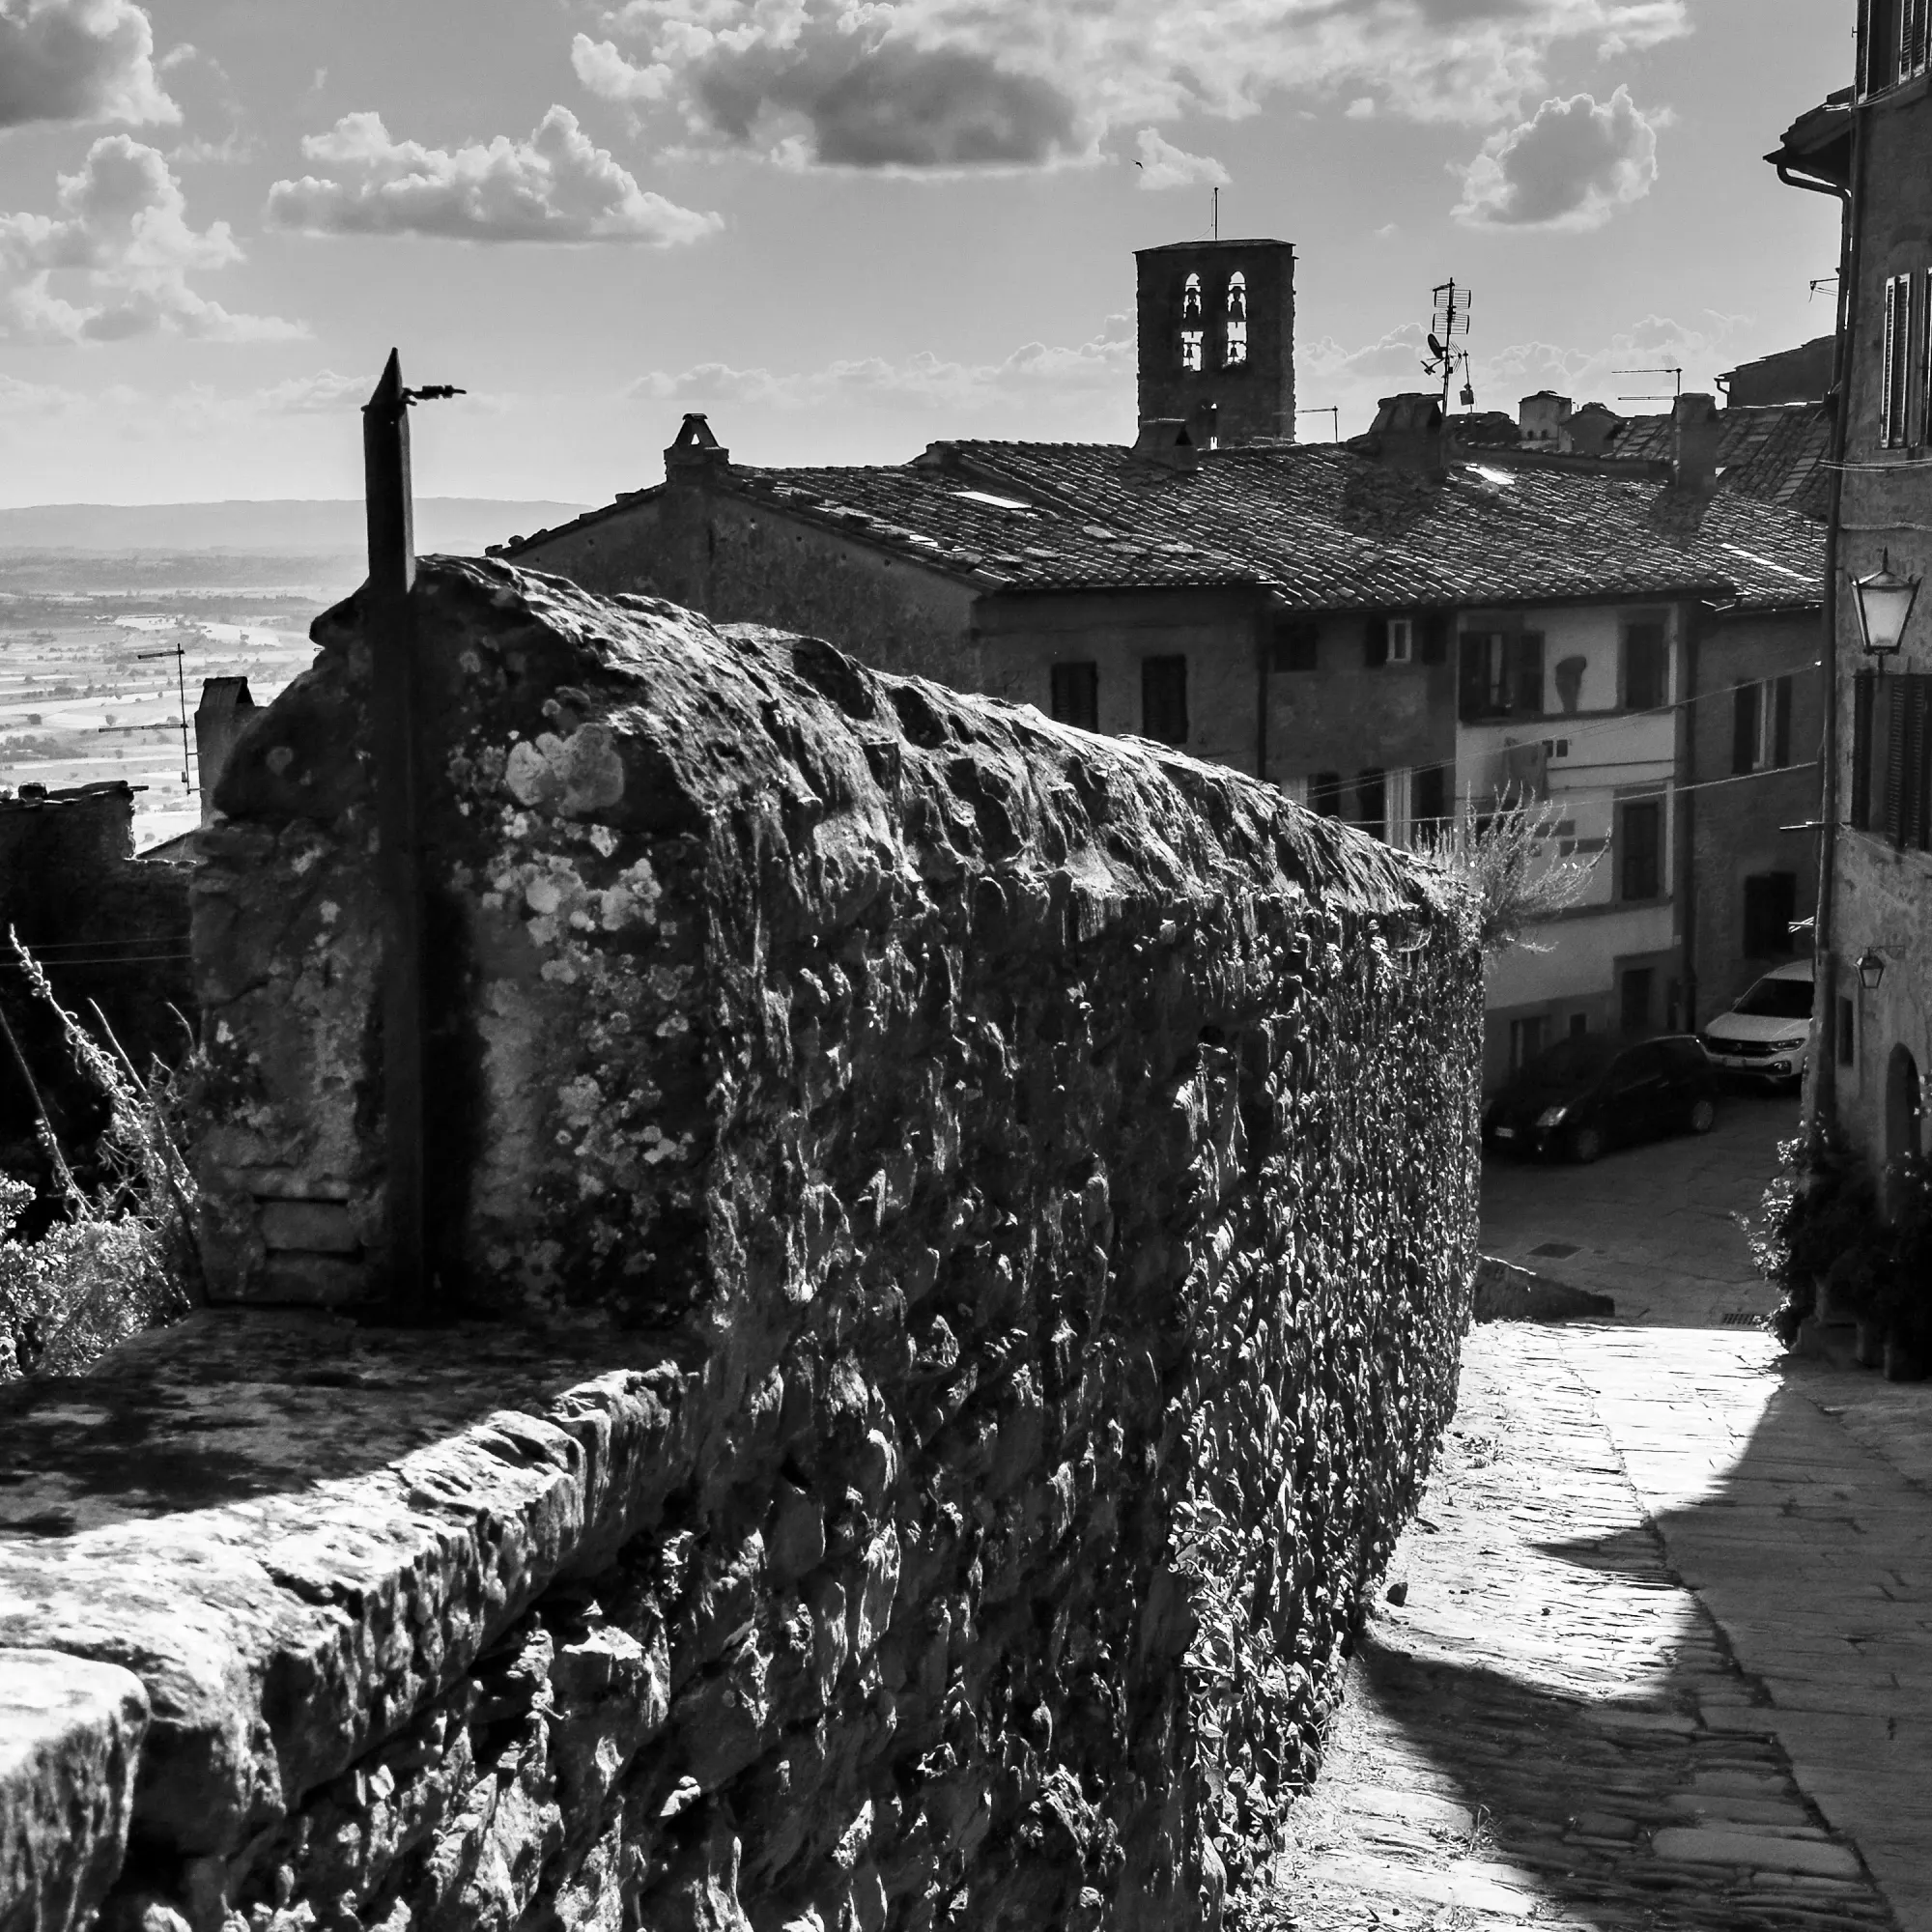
x=1586, y=1145
x=1703, y=1115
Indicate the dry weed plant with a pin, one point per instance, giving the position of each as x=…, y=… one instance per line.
x=1507, y=858
x=124, y=1257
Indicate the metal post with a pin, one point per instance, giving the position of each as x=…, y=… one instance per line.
x=393, y=705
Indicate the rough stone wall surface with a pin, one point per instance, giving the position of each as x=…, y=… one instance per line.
x=1034, y=1177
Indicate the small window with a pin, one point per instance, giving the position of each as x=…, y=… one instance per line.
x=1164, y=699
x=1761, y=727
x=1076, y=695
x=1847, y=1042
x=1296, y=646
x=1324, y=794
x=1579, y=1025
x=1641, y=849
x=1771, y=905
x=1912, y=38
x=1882, y=45
x=1191, y=330
x=1234, y=344
x=1402, y=640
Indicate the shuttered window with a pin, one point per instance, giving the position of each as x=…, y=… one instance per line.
x=1912, y=37
x=1881, y=45
x=1428, y=798
x=1500, y=674
x=1324, y=794
x=1164, y=699
x=1646, y=667
x=1892, y=426
x=1076, y=695
x=1892, y=757
x=1641, y=849
x=1372, y=799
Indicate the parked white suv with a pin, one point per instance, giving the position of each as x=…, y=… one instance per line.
x=1768, y=1034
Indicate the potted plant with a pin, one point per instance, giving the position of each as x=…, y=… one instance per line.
x=1906, y=1280
x=1819, y=1208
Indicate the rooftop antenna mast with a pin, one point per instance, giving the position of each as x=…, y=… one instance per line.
x=1449, y=318
x=1217, y=214
x=1669, y=369
x=178, y=653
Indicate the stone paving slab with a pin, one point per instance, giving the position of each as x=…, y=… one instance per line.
x=1550, y=1728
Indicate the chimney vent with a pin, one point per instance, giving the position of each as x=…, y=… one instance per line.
x=1164, y=441
x=1407, y=434
x=1695, y=431
x=696, y=448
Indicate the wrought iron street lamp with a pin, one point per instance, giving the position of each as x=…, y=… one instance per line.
x=1885, y=601
x=1871, y=968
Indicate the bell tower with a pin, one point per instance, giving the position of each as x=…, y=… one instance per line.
x=1215, y=328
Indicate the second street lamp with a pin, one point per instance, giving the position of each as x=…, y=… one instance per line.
x=1885, y=602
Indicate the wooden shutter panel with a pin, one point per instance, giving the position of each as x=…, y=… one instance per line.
x=1743, y=728
x=1780, y=723
x=1893, y=820
x=1471, y=680
x=1917, y=809
x=1434, y=642
x=1859, y=804
x=1528, y=692
x=1375, y=642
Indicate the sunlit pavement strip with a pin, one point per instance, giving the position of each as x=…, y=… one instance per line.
x=1661, y=1661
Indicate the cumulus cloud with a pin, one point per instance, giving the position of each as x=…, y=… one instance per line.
x=1573, y=165
x=943, y=85
x=121, y=244
x=555, y=187
x=78, y=60
x=1032, y=371
x=1164, y=165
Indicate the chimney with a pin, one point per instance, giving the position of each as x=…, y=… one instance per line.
x=1407, y=434
x=226, y=709
x=1164, y=441
x=1587, y=431
x=1695, y=431
x=1541, y=417
x=695, y=449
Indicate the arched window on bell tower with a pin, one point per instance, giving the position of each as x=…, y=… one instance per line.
x=1234, y=343
x=1191, y=324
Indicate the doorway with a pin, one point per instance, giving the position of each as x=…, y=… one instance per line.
x=1904, y=1108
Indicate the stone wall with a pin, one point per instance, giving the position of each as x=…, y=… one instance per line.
x=965, y=1228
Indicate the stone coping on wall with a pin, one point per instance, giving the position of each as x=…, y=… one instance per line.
x=273, y=1538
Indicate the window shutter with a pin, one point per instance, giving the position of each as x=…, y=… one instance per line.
x=1528, y=692
x=1375, y=642
x=1894, y=768
x=1860, y=803
x=1914, y=812
x=1432, y=644
x=1897, y=339
x=1743, y=728
x=1780, y=723
x=1471, y=680
x=1428, y=798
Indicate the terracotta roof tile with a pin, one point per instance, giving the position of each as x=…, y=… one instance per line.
x=1323, y=527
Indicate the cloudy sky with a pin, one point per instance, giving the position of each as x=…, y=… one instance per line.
x=843, y=227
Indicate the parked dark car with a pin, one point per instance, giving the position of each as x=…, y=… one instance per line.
x=1590, y=1092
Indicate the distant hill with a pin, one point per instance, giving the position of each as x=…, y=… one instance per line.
x=293, y=527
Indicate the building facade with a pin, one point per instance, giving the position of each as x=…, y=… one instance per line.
x=1868, y=145
x=1400, y=630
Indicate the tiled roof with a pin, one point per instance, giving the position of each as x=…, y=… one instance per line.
x=1323, y=527
x=1774, y=451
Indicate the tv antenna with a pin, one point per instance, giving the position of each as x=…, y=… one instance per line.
x=1333, y=411
x=178, y=653
x=1217, y=214
x=1449, y=318
x=1669, y=369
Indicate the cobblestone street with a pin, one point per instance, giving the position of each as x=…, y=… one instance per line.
x=1659, y=1652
